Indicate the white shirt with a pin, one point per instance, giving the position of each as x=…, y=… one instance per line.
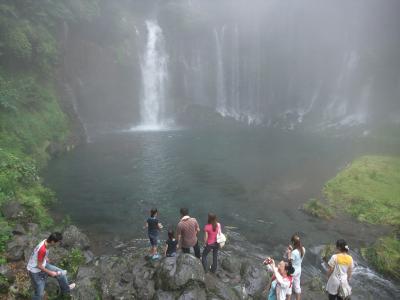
x=297, y=260
x=283, y=285
x=341, y=264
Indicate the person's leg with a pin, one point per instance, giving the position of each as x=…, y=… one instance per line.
x=215, y=258
x=185, y=250
x=196, y=249
x=38, y=282
x=62, y=278
x=296, y=286
x=153, y=243
x=206, y=250
x=332, y=297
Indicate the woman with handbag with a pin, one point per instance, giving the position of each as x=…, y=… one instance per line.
x=341, y=266
x=211, y=230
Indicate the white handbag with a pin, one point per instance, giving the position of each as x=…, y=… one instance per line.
x=344, y=290
x=221, y=238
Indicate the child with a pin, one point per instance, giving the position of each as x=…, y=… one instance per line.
x=153, y=229
x=170, y=245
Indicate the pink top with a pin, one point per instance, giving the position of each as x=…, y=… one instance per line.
x=212, y=235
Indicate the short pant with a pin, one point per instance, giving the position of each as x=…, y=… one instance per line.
x=153, y=240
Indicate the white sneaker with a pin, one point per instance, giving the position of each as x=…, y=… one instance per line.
x=72, y=286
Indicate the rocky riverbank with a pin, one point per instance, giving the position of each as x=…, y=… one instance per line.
x=129, y=275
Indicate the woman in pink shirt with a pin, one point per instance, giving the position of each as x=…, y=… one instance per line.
x=210, y=240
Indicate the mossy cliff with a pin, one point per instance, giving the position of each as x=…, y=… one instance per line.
x=34, y=120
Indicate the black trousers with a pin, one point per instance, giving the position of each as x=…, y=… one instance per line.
x=196, y=249
x=334, y=297
x=214, y=247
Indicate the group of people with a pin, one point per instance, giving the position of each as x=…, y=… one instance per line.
x=186, y=237
x=286, y=273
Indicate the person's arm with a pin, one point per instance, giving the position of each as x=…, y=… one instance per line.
x=205, y=237
x=197, y=228
x=350, y=271
x=165, y=249
x=278, y=276
x=331, y=265
x=178, y=236
x=41, y=257
x=145, y=225
x=289, y=253
x=43, y=269
x=330, y=271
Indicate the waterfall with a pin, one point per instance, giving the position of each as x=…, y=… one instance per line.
x=221, y=94
x=155, y=75
x=235, y=76
x=71, y=95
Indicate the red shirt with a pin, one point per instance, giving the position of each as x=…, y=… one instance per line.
x=212, y=235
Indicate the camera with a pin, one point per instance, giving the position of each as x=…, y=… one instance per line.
x=267, y=261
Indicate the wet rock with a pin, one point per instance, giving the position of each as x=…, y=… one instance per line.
x=16, y=248
x=7, y=272
x=58, y=254
x=193, y=293
x=231, y=264
x=12, y=210
x=174, y=273
x=86, y=272
x=85, y=290
x=255, y=279
x=32, y=228
x=142, y=278
x=18, y=230
x=316, y=284
x=219, y=288
x=89, y=256
x=111, y=271
x=163, y=295
x=74, y=238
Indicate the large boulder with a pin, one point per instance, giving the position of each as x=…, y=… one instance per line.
x=12, y=210
x=175, y=273
x=112, y=273
x=220, y=289
x=231, y=264
x=142, y=277
x=163, y=295
x=255, y=279
x=193, y=293
x=74, y=238
x=86, y=282
x=17, y=247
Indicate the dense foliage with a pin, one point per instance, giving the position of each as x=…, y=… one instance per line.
x=31, y=118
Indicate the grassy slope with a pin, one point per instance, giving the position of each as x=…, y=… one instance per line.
x=369, y=189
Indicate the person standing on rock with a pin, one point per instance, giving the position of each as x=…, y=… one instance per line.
x=282, y=278
x=210, y=240
x=295, y=254
x=39, y=268
x=341, y=266
x=153, y=230
x=187, y=231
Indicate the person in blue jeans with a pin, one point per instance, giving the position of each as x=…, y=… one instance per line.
x=153, y=229
x=39, y=268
